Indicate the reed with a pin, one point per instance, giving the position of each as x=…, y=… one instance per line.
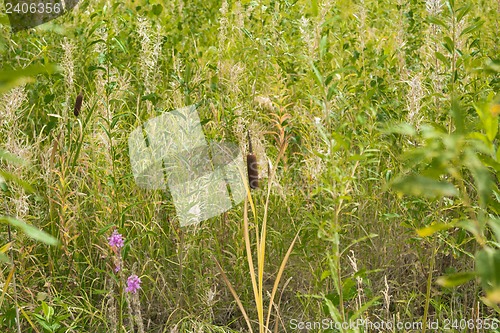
x=78, y=104
x=252, y=168
x=257, y=276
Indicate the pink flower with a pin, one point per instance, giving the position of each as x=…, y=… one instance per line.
x=116, y=240
x=133, y=284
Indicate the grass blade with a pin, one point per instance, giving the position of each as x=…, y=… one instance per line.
x=235, y=295
x=278, y=277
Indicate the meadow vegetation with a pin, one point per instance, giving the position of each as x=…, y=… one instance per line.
x=375, y=124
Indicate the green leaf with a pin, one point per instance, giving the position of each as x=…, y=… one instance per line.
x=120, y=44
x=314, y=7
x=5, y=247
x=30, y=230
x=323, y=48
x=42, y=321
x=14, y=77
x=433, y=228
x=100, y=291
x=488, y=120
x=458, y=117
x=436, y=21
x=471, y=226
x=495, y=227
x=8, y=157
x=488, y=269
x=333, y=311
x=349, y=289
x=362, y=239
x=4, y=258
x=492, y=66
x=4, y=20
x=325, y=274
x=424, y=187
x=331, y=91
x=463, y=11
x=479, y=136
x=489, y=161
x=6, y=176
x=455, y=280
x=362, y=310
x=448, y=44
x=157, y=9
x=481, y=175
x=400, y=128
x=471, y=28
x=442, y=57
x=45, y=309
x=317, y=75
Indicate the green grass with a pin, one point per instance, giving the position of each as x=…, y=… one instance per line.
x=388, y=174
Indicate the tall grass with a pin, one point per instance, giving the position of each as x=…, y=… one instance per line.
x=317, y=83
x=257, y=275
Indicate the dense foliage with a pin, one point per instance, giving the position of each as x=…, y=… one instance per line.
x=375, y=127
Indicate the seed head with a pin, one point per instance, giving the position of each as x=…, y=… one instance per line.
x=78, y=104
x=252, y=166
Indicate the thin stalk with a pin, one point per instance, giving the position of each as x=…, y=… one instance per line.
x=249, y=254
x=14, y=285
x=453, y=60
x=339, y=279
x=338, y=253
x=429, y=285
x=122, y=300
x=261, y=252
x=257, y=281
x=235, y=295
x=278, y=278
x=181, y=269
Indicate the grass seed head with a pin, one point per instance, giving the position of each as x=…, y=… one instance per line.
x=252, y=166
x=78, y=104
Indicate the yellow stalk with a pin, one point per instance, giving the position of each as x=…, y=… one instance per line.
x=258, y=299
x=258, y=282
x=261, y=251
x=278, y=277
x=7, y=282
x=25, y=315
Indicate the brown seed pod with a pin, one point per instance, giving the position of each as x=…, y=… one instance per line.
x=78, y=104
x=252, y=167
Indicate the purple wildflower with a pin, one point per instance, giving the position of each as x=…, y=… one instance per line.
x=116, y=240
x=133, y=284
